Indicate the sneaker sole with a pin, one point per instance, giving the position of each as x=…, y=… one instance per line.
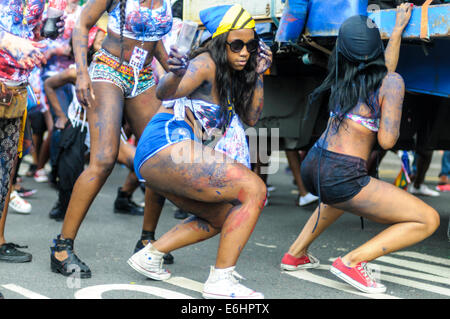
x=356, y=284
x=145, y=272
x=16, y=260
x=307, y=203
x=299, y=267
x=215, y=296
x=127, y=212
x=23, y=212
x=82, y=275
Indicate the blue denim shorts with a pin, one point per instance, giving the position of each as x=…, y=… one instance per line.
x=162, y=131
x=341, y=176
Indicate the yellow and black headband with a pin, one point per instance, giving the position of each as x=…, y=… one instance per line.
x=221, y=19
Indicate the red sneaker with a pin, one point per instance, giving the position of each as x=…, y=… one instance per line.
x=443, y=188
x=307, y=261
x=359, y=277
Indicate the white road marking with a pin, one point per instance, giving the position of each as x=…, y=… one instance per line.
x=418, y=266
x=413, y=274
x=95, y=292
x=425, y=257
x=422, y=271
x=416, y=284
x=264, y=245
x=186, y=283
x=306, y=275
x=24, y=292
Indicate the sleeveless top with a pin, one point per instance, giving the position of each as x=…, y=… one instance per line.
x=142, y=23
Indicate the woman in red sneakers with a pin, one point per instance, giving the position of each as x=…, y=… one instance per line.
x=366, y=98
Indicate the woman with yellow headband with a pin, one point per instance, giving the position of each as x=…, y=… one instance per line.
x=207, y=96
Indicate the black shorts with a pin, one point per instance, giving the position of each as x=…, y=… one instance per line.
x=341, y=176
x=37, y=120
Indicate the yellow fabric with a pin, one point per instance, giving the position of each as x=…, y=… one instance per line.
x=18, y=103
x=22, y=134
x=229, y=18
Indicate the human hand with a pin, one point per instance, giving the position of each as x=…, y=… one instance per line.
x=403, y=15
x=84, y=90
x=61, y=24
x=61, y=122
x=178, y=63
x=264, y=59
x=26, y=52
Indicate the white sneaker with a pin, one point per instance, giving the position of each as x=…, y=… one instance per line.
x=307, y=199
x=423, y=190
x=224, y=284
x=40, y=176
x=19, y=204
x=148, y=261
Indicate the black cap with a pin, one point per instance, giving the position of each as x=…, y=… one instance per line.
x=359, y=39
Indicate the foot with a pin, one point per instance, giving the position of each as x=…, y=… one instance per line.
x=168, y=258
x=305, y=261
x=40, y=176
x=10, y=253
x=443, y=179
x=57, y=213
x=359, y=277
x=443, y=188
x=148, y=261
x=422, y=190
x=124, y=205
x=24, y=192
x=180, y=214
x=31, y=170
x=69, y=266
x=307, y=199
x=18, y=204
x=224, y=284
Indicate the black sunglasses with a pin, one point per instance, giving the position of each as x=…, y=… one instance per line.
x=237, y=45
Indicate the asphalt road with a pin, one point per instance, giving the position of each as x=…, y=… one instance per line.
x=106, y=240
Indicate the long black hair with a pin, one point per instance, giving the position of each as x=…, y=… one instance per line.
x=353, y=83
x=233, y=86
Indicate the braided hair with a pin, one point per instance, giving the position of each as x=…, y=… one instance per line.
x=122, y=26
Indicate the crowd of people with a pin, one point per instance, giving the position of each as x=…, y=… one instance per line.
x=122, y=92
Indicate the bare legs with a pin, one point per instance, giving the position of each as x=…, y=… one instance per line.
x=105, y=118
x=224, y=197
x=411, y=221
x=294, y=161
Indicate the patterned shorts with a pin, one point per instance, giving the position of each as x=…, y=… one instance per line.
x=104, y=68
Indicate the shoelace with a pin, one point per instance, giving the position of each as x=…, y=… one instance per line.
x=366, y=272
x=12, y=245
x=15, y=197
x=160, y=266
x=235, y=277
x=311, y=258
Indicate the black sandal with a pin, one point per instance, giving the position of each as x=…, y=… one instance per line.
x=150, y=236
x=72, y=265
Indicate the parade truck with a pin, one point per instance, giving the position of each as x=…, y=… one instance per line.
x=302, y=34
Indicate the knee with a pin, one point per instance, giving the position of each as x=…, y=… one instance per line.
x=255, y=191
x=102, y=168
x=432, y=220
